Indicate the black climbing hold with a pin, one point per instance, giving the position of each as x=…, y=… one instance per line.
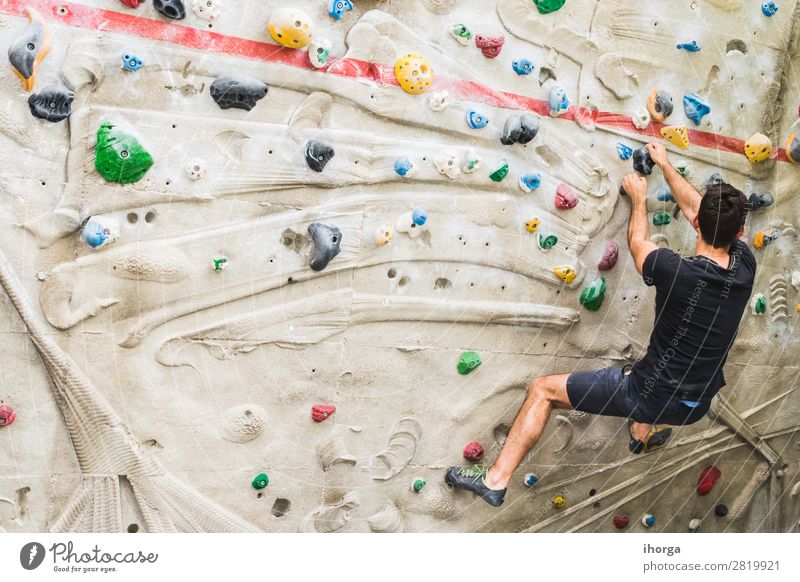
x=758, y=201
x=318, y=154
x=642, y=162
x=237, y=92
x=326, y=241
x=520, y=129
x=173, y=9
x=53, y=103
x=721, y=510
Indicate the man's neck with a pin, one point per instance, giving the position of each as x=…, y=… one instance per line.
x=720, y=256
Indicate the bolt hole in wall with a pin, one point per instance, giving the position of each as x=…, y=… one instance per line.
x=392, y=273
x=133, y=527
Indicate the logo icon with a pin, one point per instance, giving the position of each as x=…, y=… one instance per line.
x=31, y=555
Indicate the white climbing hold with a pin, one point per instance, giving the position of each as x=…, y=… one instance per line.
x=207, y=9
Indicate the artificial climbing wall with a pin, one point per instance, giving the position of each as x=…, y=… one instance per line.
x=172, y=328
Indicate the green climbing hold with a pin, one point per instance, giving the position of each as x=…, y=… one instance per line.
x=592, y=296
x=547, y=242
x=661, y=218
x=118, y=155
x=260, y=481
x=683, y=169
x=418, y=484
x=468, y=362
x=500, y=172
x=548, y=6
x=219, y=263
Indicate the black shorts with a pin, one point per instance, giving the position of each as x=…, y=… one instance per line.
x=608, y=392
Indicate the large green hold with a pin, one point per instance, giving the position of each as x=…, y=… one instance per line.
x=592, y=296
x=661, y=218
x=468, y=362
x=118, y=156
x=548, y=6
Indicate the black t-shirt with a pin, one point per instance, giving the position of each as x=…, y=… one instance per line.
x=699, y=306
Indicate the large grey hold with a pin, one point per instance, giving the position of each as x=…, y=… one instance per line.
x=520, y=129
x=238, y=92
x=53, y=103
x=318, y=154
x=326, y=240
x=173, y=9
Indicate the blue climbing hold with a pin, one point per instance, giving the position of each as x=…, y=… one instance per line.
x=664, y=194
x=339, y=7
x=531, y=480
x=648, y=520
x=131, y=63
x=624, y=152
x=405, y=167
x=692, y=46
x=769, y=8
x=476, y=120
x=530, y=182
x=695, y=107
x=558, y=101
x=522, y=67
x=419, y=216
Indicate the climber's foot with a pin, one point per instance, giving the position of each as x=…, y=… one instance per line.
x=472, y=478
x=646, y=437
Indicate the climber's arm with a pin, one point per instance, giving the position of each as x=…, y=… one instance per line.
x=685, y=194
x=639, y=241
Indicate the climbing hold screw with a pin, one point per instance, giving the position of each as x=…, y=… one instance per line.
x=707, y=479
x=261, y=481
x=592, y=296
x=648, y=520
x=413, y=73
x=468, y=362
x=559, y=502
x=758, y=304
x=621, y=521
x=219, y=263
x=7, y=415
x=530, y=480
x=500, y=172
x=417, y=484
x=321, y=412
x=721, y=510
x=473, y=451
x=461, y=33
x=763, y=238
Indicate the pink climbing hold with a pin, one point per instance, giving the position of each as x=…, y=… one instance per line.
x=610, y=256
x=473, y=451
x=320, y=412
x=565, y=197
x=132, y=3
x=7, y=415
x=490, y=45
x=621, y=521
x=708, y=478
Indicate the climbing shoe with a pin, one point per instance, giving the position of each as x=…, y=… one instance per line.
x=657, y=437
x=471, y=478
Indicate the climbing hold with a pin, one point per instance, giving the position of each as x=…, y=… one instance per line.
x=461, y=33
x=490, y=45
x=530, y=479
x=565, y=197
x=196, y=169
x=769, y=8
x=695, y=524
x=219, y=263
x=532, y=225
x=383, y=234
x=547, y=242
x=468, y=362
x=131, y=62
x=473, y=451
x=707, y=479
x=522, y=67
x=642, y=162
x=207, y=9
x=132, y=3
x=339, y=7
x=321, y=412
x=100, y=231
x=659, y=105
x=405, y=167
x=648, y=520
x=548, y=6
x=476, y=120
x=763, y=238
x=118, y=156
x=520, y=129
x=661, y=218
x=500, y=172
x=30, y=49
x=7, y=415
x=640, y=118
x=677, y=135
x=327, y=240
x=261, y=481
x=592, y=296
x=319, y=50
x=559, y=502
x=610, y=256
x=695, y=107
x=318, y=154
x=172, y=9
x=759, y=201
x=692, y=46
x=237, y=92
x=621, y=521
x=414, y=74
x=624, y=152
x=438, y=101
x=417, y=484
x=714, y=179
x=664, y=194
x=291, y=28
x=721, y=510
x=758, y=148
x=472, y=162
x=758, y=304
x=683, y=168
x=557, y=100
x=793, y=148
x=448, y=165
x=565, y=272
x=530, y=182
x=412, y=222
x=53, y=103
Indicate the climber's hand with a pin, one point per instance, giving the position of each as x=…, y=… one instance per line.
x=658, y=153
x=635, y=187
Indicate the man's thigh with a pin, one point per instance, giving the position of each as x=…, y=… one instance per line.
x=603, y=391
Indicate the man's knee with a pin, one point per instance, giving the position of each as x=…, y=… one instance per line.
x=541, y=389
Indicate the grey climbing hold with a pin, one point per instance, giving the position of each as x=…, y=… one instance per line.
x=318, y=154
x=520, y=129
x=172, y=9
x=53, y=103
x=758, y=201
x=714, y=179
x=238, y=92
x=326, y=241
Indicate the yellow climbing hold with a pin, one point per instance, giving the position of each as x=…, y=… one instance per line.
x=565, y=273
x=758, y=148
x=291, y=28
x=532, y=225
x=559, y=502
x=414, y=73
x=676, y=134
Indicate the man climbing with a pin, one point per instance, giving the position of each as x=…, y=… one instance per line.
x=699, y=304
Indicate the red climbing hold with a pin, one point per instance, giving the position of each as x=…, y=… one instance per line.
x=490, y=45
x=565, y=197
x=132, y=3
x=7, y=415
x=708, y=478
x=610, y=256
x=621, y=521
x=473, y=451
x=320, y=412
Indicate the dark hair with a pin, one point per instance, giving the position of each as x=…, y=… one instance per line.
x=721, y=214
